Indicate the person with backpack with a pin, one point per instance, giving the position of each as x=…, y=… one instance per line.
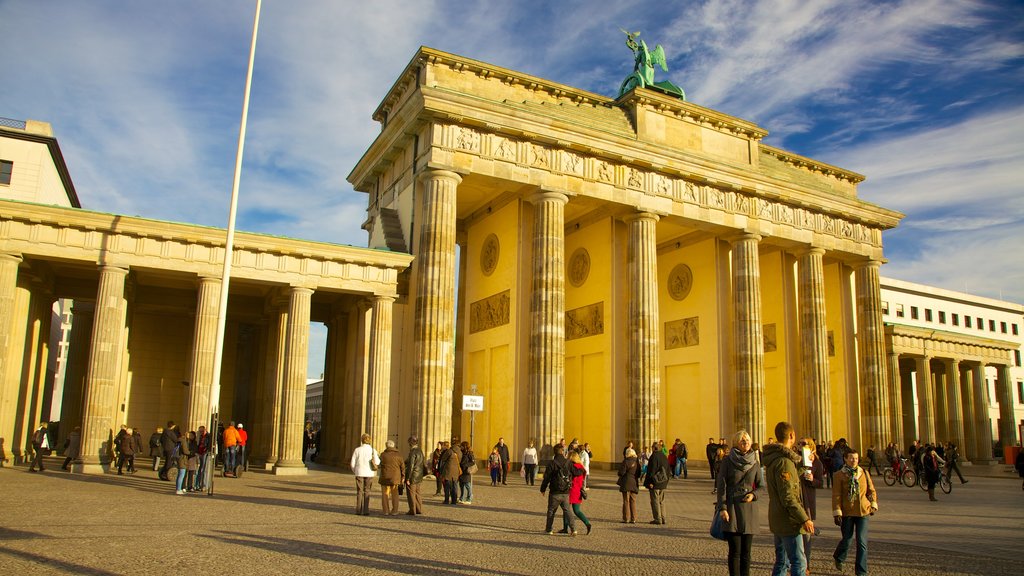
x=681, y=455
x=656, y=480
x=558, y=477
x=40, y=447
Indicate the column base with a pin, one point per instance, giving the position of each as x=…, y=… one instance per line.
x=288, y=469
x=89, y=468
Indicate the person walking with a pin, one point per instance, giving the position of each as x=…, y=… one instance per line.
x=450, y=462
x=203, y=452
x=558, y=477
x=364, y=463
x=40, y=447
x=230, y=440
x=629, y=485
x=241, y=453
x=737, y=483
x=72, y=447
x=530, y=460
x=952, y=459
x=494, y=466
x=192, y=464
x=710, y=451
x=681, y=455
x=415, y=470
x=931, y=465
x=435, y=467
x=786, y=516
x=392, y=475
x=577, y=492
x=854, y=500
x=467, y=466
x=506, y=462
x=656, y=480
x=181, y=456
x=154, y=447
x=811, y=473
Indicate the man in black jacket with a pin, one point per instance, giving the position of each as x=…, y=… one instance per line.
x=558, y=477
x=415, y=470
x=711, y=449
x=656, y=481
x=503, y=454
x=168, y=440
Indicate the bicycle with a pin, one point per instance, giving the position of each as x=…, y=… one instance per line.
x=902, y=473
x=944, y=483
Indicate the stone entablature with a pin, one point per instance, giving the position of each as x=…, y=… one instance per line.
x=98, y=238
x=911, y=341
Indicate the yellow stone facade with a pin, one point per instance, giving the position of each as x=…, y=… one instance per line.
x=616, y=270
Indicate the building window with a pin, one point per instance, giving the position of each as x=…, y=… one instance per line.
x=942, y=317
x=981, y=323
x=6, y=168
x=967, y=321
x=1014, y=328
x=913, y=312
x=956, y=319
x=1020, y=392
x=991, y=325
x=1002, y=327
x=885, y=308
x=1016, y=357
x=899, y=312
x=927, y=314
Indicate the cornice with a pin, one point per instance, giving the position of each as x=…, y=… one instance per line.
x=805, y=163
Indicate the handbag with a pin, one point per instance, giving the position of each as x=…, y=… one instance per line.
x=717, y=527
x=472, y=468
x=401, y=489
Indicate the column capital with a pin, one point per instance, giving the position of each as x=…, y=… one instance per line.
x=301, y=289
x=868, y=263
x=114, y=269
x=540, y=195
x=641, y=215
x=11, y=257
x=439, y=174
x=810, y=250
x=386, y=298
x=742, y=236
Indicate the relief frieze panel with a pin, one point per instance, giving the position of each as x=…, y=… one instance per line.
x=584, y=321
x=490, y=312
x=682, y=333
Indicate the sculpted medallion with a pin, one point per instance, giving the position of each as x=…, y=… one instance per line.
x=489, y=255
x=680, y=280
x=579, y=267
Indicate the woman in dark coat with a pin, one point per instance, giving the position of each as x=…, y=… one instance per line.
x=629, y=485
x=465, y=477
x=737, y=482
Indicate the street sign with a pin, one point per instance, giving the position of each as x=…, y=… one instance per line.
x=472, y=403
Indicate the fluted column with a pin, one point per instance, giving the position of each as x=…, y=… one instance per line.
x=871, y=357
x=379, y=385
x=204, y=347
x=547, y=321
x=939, y=383
x=1007, y=419
x=333, y=421
x=955, y=422
x=925, y=401
x=982, y=420
x=749, y=362
x=814, y=342
x=643, y=424
x=293, y=405
x=910, y=417
x=10, y=370
x=273, y=387
x=895, y=411
x=104, y=368
x=434, y=330
x=969, y=448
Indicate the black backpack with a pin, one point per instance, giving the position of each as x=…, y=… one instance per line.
x=562, y=481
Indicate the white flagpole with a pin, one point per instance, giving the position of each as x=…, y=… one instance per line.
x=218, y=356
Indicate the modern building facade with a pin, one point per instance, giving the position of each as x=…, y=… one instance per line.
x=626, y=269
x=955, y=367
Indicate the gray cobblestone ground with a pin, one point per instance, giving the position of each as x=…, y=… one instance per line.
x=56, y=522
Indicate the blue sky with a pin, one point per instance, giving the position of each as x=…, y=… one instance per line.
x=924, y=97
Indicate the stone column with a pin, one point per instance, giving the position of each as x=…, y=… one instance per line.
x=643, y=423
x=547, y=321
x=273, y=386
x=939, y=386
x=814, y=342
x=10, y=371
x=910, y=417
x=969, y=448
x=293, y=405
x=895, y=401
x=433, y=329
x=204, y=347
x=982, y=420
x=954, y=411
x=749, y=361
x=379, y=385
x=1007, y=419
x=104, y=367
x=871, y=357
x=333, y=440
x=925, y=401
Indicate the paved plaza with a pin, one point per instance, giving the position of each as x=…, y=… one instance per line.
x=56, y=522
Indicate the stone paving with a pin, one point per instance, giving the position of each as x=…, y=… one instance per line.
x=56, y=522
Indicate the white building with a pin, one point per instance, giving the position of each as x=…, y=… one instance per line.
x=962, y=339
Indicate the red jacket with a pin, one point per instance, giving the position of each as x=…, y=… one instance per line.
x=579, y=475
x=243, y=437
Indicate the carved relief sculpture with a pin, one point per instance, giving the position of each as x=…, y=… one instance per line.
x=680, y=281
x=579, y=267
x=584, y=321
x=489, y=255
x=682, y=333
x=488, y=313
x=771, y=342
